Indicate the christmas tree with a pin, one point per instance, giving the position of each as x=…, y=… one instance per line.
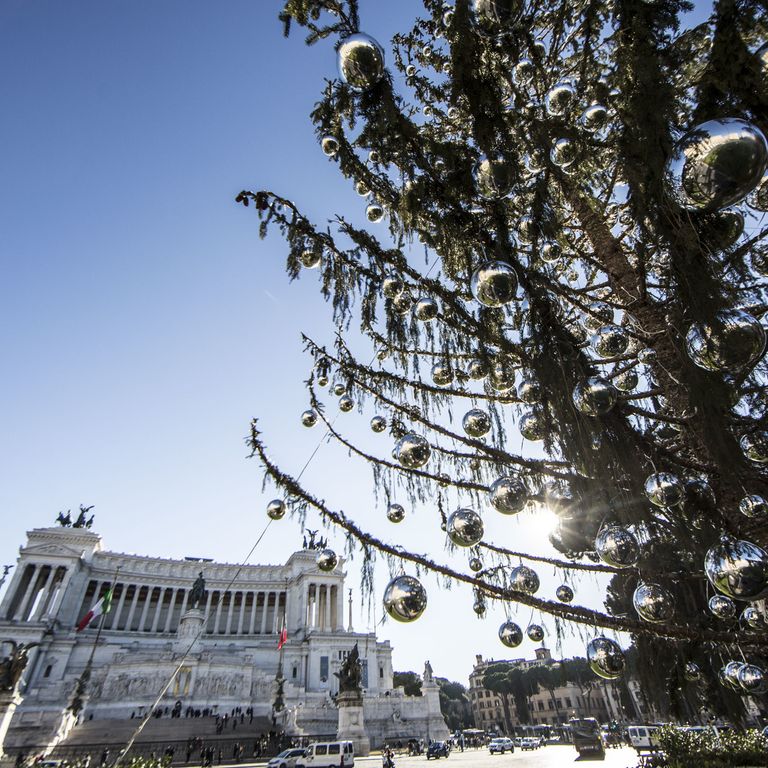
x=566, y=244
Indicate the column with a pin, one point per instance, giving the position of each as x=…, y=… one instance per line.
x=252, y=625
x=334, y=608
x=132, y=609
x=19, y=615
x=276, y=615
x=53, y=592
x=174, y=593
x=242, y=613
x=120, y=604
x=184, y=602
x=219, y=604
x=230, y=612
x=328, y=602
x=11, y=591
x=43, y=595
x=339, y=608
x=264, y=613
x=62, y=590
x=145, y=609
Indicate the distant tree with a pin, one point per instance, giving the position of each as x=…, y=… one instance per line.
x=410, y=682
x=454, y=704
x=497, y=679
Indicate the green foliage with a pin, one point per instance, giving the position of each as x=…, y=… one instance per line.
x=708, y=749
x=455, y=705
x=410, y=682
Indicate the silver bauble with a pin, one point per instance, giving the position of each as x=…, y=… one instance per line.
x=501, y=377
x=412, y=450
x=563, y=153
x=362, y=188
x=531, y=426
x=732, y=343
x=617, y=546
x=442, y=374
x=609, y=341
x=276, y=509
x=405, y=598
x=493, y=177
x=594, y=117
x=327, y=560
x=476, y=422
x=729, y=675
x=600, y=314
x=346, y=403
x=738, y=569
x=339, y=389
x=535, y=632
x=664, y=489
x=465, y=528
x=309, y=418
x=605, y=658
x=755, y=446
x=524, y=71
x=722, y=607
x=564, y=593
x=752, y=679
x=529, y=390
x=361, y=62
x=524, y=579
x=594, y=396
x=475, y=564
x=494, y=284
x=477, y=370
x=692, y=672
x=551, y=252
x=374, y=212
x=508, y=495
x=510, y=634
x=395, y=513
x=716, y=164
x=494, y=17
x=751, y=618
x=626, y=381
x=392, y=286
x=330, y=145
x=426, y=309
x=653, y=603
x=754, y=506
x=560, y=98
x=310, y=258
x=378, y=424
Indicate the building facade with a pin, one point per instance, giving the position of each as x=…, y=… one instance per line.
x=228, y=660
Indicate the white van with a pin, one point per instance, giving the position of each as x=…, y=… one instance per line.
x=328, y=754
x=643, y=738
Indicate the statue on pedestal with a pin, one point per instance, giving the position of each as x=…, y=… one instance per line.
x=197, y=594
x=351, y=673
x=12, y=667
x=428, y=672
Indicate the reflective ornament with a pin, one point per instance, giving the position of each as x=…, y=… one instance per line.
x=346, y=403
x=551, y=252
x=494, y=17
x=310, y=259
x=531, y=426
x=626, y=381
x=524, y=579
x=716, y=164
x=475, y=565
x=479, y=607
x=493, y=177
x=755, y=446
x=339, y=389
x=327, y=560
x=664, y=489
x=563, y=153
x=508, y=495
x=524, y=71
x=395, y=513
x=560, y=98
x=617, y=546
x=722, y=607
x=276, y=509
x=751, y=618
x=374, y=213
x=752, y=679
x=653, y=603
x=529, y=390
x=494, y=284
x=476, y=422
x=605, y=658
x=594, y=396
x=362, y=188
x=412, y=451
x=465, y=528
x=322, y=380
x=535, y=632
x=330, y=145
x=594, y=117
x=610, y=341
x=729, y=675
x=378, y=424
x=361, y=62
x=309, y=418
x=691, y=672
x=564, y=593
x=477, y=370
x=442, y=375
x=425, y=309
x=392, y=287
x=501, y=377
x=732, y=343
x=738, y=569
x=510, y=634
x=405, y=598
x=754, y=506
x=599, y=314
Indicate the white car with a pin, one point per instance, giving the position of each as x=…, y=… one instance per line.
x=529, y=742
x=502, y=745
x=286, y=759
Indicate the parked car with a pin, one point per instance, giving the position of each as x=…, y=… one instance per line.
x=518, y=741
x=502, y=744
x=438, y=749
x=327, y=754
x=286, y=759
x=587, y=737
x=643, y=738
x=529, y=742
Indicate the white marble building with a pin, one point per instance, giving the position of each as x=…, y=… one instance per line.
x=61, y=572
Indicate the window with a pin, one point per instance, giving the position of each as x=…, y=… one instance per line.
x=364, y=672
x=567, y=702
x=334, y=749
x=559, y=703
x=295, y=673
x=48, y=670
x=551, y=704
x=541, y=706
x=323, y=668
x=321, y=749
x=381, y=673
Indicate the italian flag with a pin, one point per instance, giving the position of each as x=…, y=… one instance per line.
x=283, y=639
x=101, y=607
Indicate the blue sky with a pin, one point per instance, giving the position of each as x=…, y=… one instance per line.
x=143, y=322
